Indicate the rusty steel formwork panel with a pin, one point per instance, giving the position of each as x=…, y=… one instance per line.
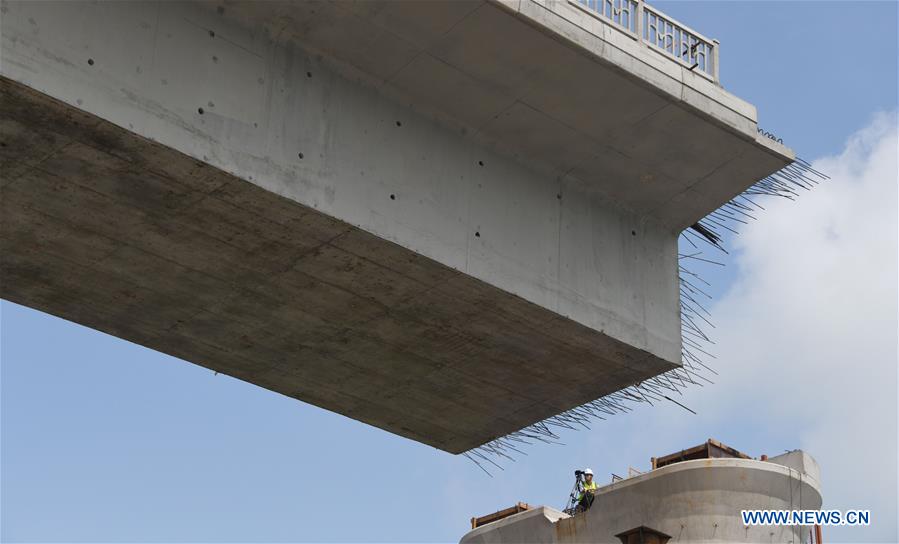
x=710, y=449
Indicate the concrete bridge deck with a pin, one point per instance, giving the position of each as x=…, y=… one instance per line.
x=446, y=219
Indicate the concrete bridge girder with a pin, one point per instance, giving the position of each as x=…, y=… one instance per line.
x=384, y=209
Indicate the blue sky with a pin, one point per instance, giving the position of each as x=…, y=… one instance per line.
x=103, y=440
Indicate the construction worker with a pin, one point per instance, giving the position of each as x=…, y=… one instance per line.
x=587, y=491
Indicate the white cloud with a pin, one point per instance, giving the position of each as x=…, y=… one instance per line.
x=807, y=334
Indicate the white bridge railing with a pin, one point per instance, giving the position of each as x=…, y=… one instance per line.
x=662, y=33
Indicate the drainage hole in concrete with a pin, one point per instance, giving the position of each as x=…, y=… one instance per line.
x=480, y=163
x=392, y=197
x=477, y=234
x=399, y=124
x=90, y=61
x=308, y=74
x=633, y=233
x=212, y=33
x=200, y=111
x=300, y=155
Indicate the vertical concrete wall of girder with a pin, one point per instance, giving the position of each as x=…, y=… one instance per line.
x=293, y=122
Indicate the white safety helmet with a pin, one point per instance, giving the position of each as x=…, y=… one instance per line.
x=588, y=471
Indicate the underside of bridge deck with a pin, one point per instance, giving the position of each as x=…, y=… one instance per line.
x=446, y=219
x=104, y=228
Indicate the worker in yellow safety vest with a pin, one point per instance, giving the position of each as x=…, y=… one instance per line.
x=587, y=491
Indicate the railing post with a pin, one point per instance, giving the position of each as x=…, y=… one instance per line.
x=716, y=45
x=640, y=20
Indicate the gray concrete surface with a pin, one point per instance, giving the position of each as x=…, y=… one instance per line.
x=131, y=238
x=513, y=175
x=692, y=501
x=535, y=525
